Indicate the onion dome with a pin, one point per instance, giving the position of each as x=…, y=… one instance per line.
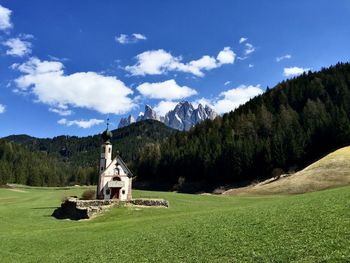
x=107, y=136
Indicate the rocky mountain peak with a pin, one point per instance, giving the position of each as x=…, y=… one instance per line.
x=126, y=121
x=183, y=117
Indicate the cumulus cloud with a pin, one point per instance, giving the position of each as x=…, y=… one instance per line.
x=155, y=62
x=152, y=62
x=5, y=18
x=62, y=112
x=2, y=108
x=242, y=40
x=164, y=107
x=80, y=123
x=231, y=99
x=287, y=56
x=90, y=90
x=128, y=39
x=167, y=90
x=17, y=47
x=226, y=56
x=294, y=71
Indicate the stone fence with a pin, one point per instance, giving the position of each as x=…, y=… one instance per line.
x=76, y=209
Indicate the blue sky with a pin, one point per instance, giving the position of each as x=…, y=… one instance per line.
x=65, y=66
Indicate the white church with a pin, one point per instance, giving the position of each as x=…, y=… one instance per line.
x=115, y=178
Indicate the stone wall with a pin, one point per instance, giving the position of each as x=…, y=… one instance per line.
x=76, y=209
x=149, y=202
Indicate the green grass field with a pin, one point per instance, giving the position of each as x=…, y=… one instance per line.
x=313, y=227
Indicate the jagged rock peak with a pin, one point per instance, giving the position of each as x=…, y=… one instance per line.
x=149, y=114
x=126, y=121
x=183, y=117
x=131, y=119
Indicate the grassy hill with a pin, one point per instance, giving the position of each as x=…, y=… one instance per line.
x=331, y=171
x=313, y=227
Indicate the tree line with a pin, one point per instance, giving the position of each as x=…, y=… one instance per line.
x=22, y=166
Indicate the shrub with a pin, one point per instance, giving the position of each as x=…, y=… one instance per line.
x=88, y=195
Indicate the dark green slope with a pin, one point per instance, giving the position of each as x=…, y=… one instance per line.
x=84, y=150
x=81, y=154
x=20, y=165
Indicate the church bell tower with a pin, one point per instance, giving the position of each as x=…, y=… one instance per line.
x=105, y=161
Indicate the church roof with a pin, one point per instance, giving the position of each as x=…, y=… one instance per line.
x=123, y=165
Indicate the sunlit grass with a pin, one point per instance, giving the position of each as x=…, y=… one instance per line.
x=312, y=227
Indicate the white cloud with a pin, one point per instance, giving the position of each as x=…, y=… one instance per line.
x=47, y=81
x=231, y=99
x=204, y=102
x=5, y=18
x=61, y=112
x=139, y=36
x=164, y=107
x=128, y=39
x=249, y=48
x=242, y=40
x=122, y=39
x=227, y=82
x=2, y=108
x=17, y=47
x=251, y=66
x=152, y=62
x=80, y=123
x=294, y=71
x=226, y=56
x=168, y=90
x=287, y=56
x=155, y=62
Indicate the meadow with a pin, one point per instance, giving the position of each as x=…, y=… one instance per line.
x=312, y=227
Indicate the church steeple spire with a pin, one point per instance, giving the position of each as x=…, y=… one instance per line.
x=107, y=135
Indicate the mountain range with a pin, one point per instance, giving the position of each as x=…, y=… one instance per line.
x=183, y=117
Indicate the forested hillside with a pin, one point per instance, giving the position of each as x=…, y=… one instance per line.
x=74, y=159
x=281, y=130
x=20, y=165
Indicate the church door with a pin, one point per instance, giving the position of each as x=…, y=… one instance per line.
x=115, y=193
